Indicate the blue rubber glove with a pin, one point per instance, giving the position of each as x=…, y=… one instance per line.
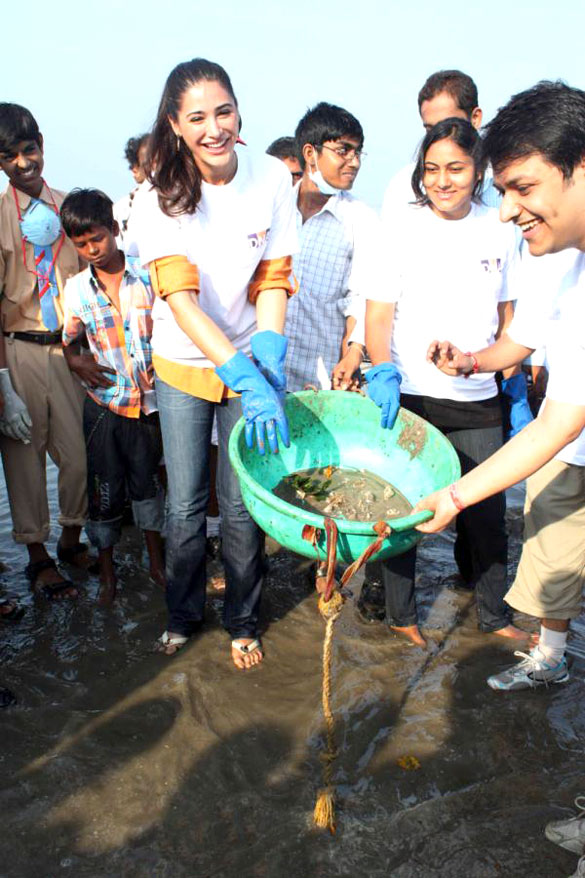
x=384, y=389
x=269, y=352
x=516, y=402
x=261, y=405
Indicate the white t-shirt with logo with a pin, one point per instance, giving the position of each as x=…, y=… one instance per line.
x=447, y=278
x=551, y=314
x=235, y=226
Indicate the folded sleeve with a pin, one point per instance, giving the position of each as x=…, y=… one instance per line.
x=272, y=274
x=173, y=274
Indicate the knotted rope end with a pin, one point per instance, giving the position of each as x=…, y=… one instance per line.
x=324, y=813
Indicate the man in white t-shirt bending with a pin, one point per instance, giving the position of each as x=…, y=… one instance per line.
x=537, y=147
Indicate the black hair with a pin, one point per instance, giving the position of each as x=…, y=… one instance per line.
x=326, y=122
x=459, y=85
x=461, y=132
x=283, y=148
x=17, y=124
x=173, y=171
x=84, y=208
x=548, y=118
x=133, y=147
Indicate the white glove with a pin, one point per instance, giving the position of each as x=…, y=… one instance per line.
x=15, y=421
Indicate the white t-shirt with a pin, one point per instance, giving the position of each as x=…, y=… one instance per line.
x=235, y=226
x=551, y=315
x=447, y=279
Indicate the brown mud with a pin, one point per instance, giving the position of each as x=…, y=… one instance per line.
x=118, y=763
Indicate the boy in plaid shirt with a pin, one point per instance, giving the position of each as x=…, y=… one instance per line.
x=109, y=306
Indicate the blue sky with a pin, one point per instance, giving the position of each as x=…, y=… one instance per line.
x=92, y=74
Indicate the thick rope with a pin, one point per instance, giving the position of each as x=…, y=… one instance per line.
x=331, y=603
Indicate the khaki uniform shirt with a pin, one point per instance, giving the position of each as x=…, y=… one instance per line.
x=20, y=307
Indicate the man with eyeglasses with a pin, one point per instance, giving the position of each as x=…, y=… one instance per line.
x=339, y=250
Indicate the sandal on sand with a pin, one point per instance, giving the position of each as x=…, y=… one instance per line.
x=10, y=611
x=51, y=590
x=166, y=640
x=69, y=555
x=246, y=649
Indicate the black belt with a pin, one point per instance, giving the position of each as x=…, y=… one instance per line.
x=44, y=338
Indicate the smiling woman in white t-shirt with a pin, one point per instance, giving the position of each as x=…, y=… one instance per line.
x=449, y=268
x=217, y=231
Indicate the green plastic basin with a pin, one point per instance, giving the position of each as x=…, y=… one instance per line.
x=343, y=429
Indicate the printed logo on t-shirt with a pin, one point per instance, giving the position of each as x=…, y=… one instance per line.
x=491, y=265
x=257, y=239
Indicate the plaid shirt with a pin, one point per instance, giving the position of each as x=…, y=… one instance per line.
x=120, y=341
x=336, y=265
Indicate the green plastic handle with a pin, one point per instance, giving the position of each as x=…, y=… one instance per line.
x=411, y=522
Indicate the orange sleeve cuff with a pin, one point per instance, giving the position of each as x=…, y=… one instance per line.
x=273, y=274
x=172, y=274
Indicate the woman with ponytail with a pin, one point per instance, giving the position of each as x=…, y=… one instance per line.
x=217, y=232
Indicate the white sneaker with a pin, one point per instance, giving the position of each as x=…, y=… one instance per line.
x=569, y=834
x=534, y=670
x=580, y=873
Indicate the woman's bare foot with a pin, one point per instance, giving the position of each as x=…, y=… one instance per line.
x=514, y=633
x=411, y=632
x=245, y=657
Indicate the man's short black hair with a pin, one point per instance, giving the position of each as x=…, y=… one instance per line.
x=326, y=122
x=547, y=119
x=85, y=208
x=17, y=124
x=458, y=85
x=132, y=148
x=283, y=148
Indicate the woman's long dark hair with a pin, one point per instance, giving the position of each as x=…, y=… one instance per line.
x=173, y=171
x=461, y=132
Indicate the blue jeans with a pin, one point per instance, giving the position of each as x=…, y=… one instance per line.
x=481, y=540
x=186, y=423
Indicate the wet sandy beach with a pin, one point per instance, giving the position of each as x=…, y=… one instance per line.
x=118, y=763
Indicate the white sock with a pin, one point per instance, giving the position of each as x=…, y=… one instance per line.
x=552, y=644
x=213, y=522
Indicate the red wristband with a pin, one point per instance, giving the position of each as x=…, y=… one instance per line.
x=457, y=501
x=474, y=368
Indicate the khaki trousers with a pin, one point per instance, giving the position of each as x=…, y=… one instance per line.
x=54, y=399
x=551, y=573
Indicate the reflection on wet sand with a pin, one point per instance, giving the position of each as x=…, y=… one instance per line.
x=118, y=762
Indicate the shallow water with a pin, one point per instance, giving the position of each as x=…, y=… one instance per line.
x=118, y=763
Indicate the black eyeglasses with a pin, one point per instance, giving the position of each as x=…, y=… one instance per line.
x=346, y=151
